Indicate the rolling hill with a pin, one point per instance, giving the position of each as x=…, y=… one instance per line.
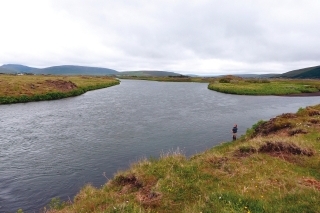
x=5, y=70
x=17, y=68
x=76, y=70
x=57, y=70
x=309, y=72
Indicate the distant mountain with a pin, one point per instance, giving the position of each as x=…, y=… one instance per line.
x=309, y=72
x=17, y=68
x=76, y=70
x=4, y=70
x=57, y=70
x=271, y=75
x=148, y=73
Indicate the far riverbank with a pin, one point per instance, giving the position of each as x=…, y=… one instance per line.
x=262, y=87
x=29, y=88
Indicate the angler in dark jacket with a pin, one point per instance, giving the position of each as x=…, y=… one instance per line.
x=234, y=132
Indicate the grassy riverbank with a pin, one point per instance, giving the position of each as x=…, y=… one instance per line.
x=273, y=168
x=26, y=88
x=264, y=87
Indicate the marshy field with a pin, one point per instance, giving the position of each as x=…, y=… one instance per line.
x=239, y=86
x=26, y=88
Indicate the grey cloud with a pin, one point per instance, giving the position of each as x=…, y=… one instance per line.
x=195, y=34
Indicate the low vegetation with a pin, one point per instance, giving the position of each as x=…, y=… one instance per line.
x=26, y=88
x=274, y=167
x=239, y=86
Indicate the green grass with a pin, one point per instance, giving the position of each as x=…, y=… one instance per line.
x=265, y=87
x=232, y=177
x=21, y=89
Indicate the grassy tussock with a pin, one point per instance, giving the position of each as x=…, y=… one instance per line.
x=248, y=175
x=20, y=89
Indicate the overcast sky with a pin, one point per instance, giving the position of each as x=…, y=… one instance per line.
x=201, y=37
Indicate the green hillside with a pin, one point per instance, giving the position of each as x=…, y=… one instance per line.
x=76, y=70
x=17, y=68
x=57, y=70
x=5, y=70
x=310, y=72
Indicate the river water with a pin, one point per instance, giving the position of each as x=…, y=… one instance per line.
x=53, y=148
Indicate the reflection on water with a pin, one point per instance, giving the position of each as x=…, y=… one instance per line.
x=53, y=148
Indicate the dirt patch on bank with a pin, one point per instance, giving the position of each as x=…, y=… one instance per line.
x=311, y=183
x=275, y=124
x=280, y=148
x=289, y=124
x=60, y=85
x=144, y=193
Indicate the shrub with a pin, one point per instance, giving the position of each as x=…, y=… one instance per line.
x=224, y=80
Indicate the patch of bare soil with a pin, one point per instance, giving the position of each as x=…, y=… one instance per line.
x=148, y=198
x=311, y=182
x=145, y=195
x=314, y=121
x=218, y=162
x=274, y=125
x=297, y=131
x=245, y=152
x=280, y=148
x=312, y=112
x=60, y=85
x=288, y=115
x=129, y=180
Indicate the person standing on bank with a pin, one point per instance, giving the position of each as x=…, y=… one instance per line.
x=234, y=132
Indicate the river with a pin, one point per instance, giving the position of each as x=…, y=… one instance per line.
x=53, y=148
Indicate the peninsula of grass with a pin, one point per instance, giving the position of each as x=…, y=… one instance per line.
x=273, y=168
x=27, y=88
x=241, y=86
